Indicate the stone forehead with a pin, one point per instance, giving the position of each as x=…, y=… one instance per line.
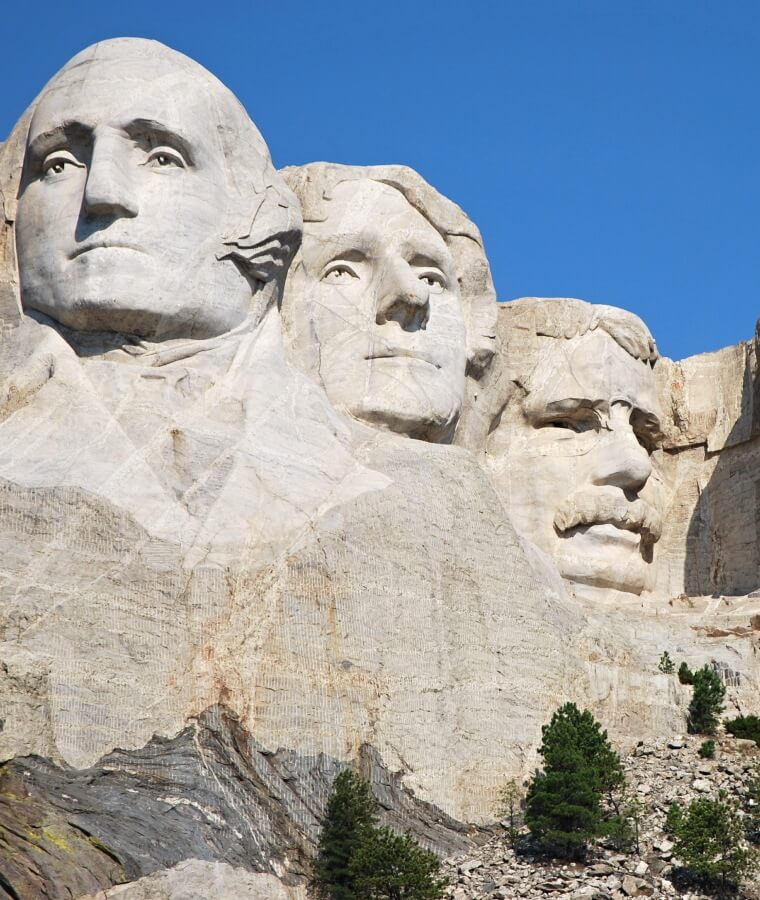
x=591, y=366
x=166, y=72
x=522, y=322
x=363, y=202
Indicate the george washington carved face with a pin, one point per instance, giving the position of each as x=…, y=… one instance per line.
x=128, y=193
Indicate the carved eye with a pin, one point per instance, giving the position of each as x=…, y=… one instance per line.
x=56, y=163
x=165, y=158
x=433, y=280
x=339, y=273
x=577, y=425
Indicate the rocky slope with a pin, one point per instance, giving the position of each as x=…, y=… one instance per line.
x=658, y=774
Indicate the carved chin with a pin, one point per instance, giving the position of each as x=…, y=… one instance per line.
x=604, y=556
x=420, y=421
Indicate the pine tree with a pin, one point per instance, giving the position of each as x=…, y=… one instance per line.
x=357, y=860
x=706, y=701
x=349, y=818
x=685, y=675
x=390, y=866
x=564, y=802
x=708, y=840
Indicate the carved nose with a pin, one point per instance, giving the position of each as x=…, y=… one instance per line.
x=403, y=298
x=622, y=461
x=109, y=190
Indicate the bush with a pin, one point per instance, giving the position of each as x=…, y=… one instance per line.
x=564, y=802
x=752, y=807
x=707, y=749
x=357, y=860
x=706, y=701
x=666, y=664
x=673, y=818
x=390, y=866
x=744, y=727
x=708, y=840
x=685, y=675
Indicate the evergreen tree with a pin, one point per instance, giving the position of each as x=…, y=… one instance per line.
x=510, y=800
x=356, y=860
x=666, y=664
x=390, y=866
x=706, y=701
x=564, y=802
x=744, y=727
x=708, y=840
x=685, y=675
x=349, y=818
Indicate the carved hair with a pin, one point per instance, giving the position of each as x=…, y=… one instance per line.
x=560, y=317
x=262, y=231
x=314, y=183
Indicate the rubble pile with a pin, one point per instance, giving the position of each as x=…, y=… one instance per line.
x=657, y=774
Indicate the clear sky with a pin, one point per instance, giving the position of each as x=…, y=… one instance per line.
x=607, y=149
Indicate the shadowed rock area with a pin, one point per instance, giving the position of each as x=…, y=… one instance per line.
x=210, y=793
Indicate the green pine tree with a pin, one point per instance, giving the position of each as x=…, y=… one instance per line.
x=685, y=675
x=564, y=808
x=709, y=842
x=390, y=866
x=706, y=701
x=349, y=818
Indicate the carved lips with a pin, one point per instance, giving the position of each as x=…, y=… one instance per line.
x=400, y=352
x=609, y=506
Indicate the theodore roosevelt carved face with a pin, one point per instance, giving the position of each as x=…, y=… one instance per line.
x=138, y=165
x=571, y=452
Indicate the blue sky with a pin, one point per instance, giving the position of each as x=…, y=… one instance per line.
x=607, y=150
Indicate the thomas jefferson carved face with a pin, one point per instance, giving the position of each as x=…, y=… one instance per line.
x=123, y=204
x=378, y=288
x=572, y=460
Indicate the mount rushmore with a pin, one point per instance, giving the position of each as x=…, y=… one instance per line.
x=283, y=487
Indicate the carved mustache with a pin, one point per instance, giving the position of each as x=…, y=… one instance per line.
x=608, y=506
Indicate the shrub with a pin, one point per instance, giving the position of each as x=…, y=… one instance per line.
x=752, y=807
x=707, y=749
x=390, y=866
x=564, y=802
x=708, y=840
x=666, y=663
x=510, y=801
x=673, y=818
x=706, y=701
x=685, y=675
x=744, y=727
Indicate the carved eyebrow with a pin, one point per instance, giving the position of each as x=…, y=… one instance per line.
x=542, y=411
x=161, y=134
x=433, y=261
x=46, y=141
x=429, y=252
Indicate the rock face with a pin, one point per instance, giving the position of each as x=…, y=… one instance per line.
x=268, y=509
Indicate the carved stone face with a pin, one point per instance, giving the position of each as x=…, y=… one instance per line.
x=121, y=212
x=379, y=288
x=572, y=460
